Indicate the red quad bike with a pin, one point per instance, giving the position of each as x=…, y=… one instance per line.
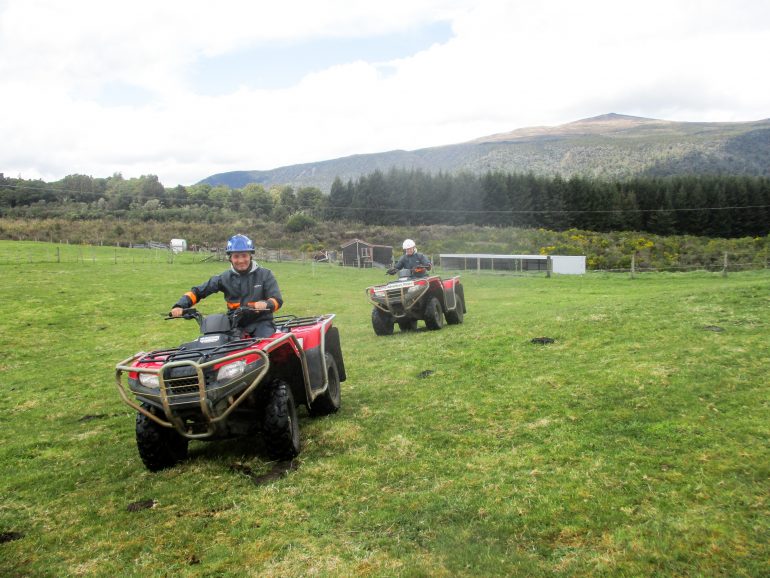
x=410, y=298
x=220, y=386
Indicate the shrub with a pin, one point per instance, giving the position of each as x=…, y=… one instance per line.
x=300, y=222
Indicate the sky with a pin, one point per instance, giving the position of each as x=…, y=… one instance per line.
x=184, y=89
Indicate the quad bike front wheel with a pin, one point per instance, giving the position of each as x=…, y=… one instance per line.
x=329, y=401
x=407, y=324
x=280, y=425
x=382, y=322
x=159, y=447
x=434, y=317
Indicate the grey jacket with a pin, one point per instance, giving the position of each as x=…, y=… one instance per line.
x=414, y=260
x=240, y=289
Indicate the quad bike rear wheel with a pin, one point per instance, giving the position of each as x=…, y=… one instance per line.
x=382, y=322
x=159, y=447
x=434, y=317
x=329, y=401
x=456, y=316
x=280, y=425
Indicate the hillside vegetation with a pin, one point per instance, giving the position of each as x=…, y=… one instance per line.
x=609, y=146
x=603, y=251
x=715, y=206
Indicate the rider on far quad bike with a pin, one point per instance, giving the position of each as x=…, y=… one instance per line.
x=415, y=295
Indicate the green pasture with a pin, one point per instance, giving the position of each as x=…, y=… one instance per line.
x=636, y=444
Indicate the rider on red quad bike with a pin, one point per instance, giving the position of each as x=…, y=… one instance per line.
x=415, y=296
x=245, y=284
x=417, y=263
x=247, y=372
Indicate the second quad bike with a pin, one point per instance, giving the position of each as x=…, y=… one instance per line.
x=412, y=298
x=225, y=384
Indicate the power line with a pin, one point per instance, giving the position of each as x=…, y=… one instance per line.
x=547, y=211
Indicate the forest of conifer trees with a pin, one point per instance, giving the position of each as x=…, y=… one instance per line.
x=716, y=206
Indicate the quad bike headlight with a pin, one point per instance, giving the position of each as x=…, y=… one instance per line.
x=413, y=293
x=231, y=370
x=149, y=380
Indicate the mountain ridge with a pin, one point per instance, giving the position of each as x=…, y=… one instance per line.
x=610, y=145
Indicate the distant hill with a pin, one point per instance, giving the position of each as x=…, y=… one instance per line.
x=608, y=146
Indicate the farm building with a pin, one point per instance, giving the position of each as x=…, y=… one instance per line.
x=358, y=253
x=565, y=264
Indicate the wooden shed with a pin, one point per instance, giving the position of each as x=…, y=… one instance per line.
x=358, y=253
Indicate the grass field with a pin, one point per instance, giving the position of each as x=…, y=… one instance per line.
x=636, y=444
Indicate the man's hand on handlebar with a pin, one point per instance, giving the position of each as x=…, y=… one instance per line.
x=182, y=313
x=391, y=271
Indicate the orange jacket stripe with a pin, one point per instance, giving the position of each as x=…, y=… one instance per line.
x=276, y=306
x=231, y=305
x=192, y=297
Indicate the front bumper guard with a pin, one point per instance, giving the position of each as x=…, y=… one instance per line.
x=397, y=301
x=211, y=416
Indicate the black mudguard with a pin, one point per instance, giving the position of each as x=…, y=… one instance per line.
x=334, y=347
x=315, y=361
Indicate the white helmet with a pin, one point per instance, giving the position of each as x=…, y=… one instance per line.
x=409, y=244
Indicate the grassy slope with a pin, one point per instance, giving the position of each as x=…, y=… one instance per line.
x=636, y=444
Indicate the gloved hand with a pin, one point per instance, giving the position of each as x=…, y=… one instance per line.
x=391, y=271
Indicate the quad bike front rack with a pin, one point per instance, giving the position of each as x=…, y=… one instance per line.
x=168, y=397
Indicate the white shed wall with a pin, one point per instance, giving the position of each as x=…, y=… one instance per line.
x=563, y=264
x=569, y=265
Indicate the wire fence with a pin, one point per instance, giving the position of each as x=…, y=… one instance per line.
x=23, y=252
x=31, y=252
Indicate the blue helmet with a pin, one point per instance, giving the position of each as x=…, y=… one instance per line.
x=239, y=244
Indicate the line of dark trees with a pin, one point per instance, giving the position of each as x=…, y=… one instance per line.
x=715, y=206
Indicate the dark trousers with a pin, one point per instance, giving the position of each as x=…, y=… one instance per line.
x=262, y=328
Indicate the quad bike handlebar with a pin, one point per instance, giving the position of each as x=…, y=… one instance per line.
x=193, y=313
x=418, y=269
x=189, y=313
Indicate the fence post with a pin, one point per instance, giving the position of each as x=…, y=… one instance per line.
x=633, y=264
x=724, y=265
x=58, y=255
x=548, y=266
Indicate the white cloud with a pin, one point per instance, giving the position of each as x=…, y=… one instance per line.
x=508, y=65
